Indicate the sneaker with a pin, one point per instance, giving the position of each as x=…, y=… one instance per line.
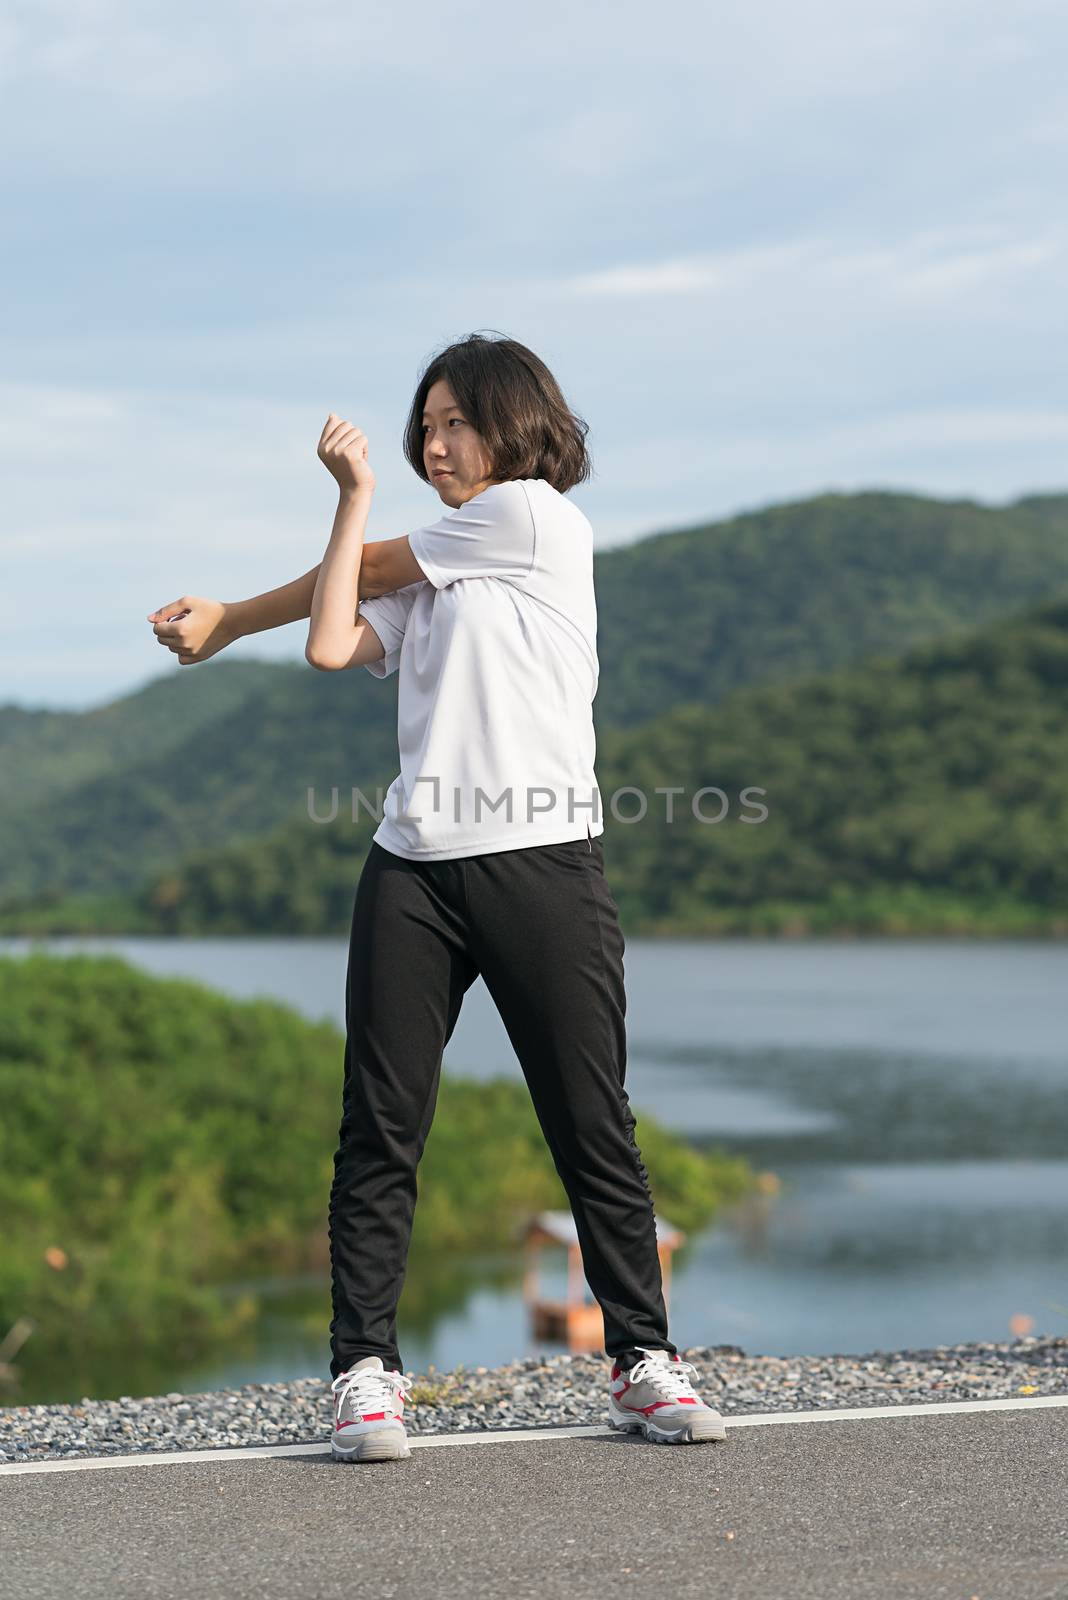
x=369, y=1413
x=658, y=1387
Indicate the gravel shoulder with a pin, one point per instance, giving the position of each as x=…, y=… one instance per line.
x=541, y=1391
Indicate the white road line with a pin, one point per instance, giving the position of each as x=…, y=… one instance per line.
x=922, y=1409
x=526, y=1435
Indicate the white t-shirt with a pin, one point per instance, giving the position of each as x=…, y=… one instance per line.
x=497, y=654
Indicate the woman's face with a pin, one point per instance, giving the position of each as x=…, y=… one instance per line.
x=452, y=448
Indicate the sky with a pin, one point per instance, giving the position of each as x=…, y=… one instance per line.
x=767, y=250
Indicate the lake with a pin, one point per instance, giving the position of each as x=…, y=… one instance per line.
x=911, y=1096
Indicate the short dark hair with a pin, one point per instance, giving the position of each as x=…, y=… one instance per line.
x=512, y=399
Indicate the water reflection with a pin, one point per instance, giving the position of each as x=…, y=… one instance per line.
x=848, y=1104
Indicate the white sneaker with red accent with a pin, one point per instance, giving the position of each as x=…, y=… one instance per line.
x=369, y=1413
x=655, y=1397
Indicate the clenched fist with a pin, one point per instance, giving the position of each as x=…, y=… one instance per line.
x=192, y=628
x=343, y=452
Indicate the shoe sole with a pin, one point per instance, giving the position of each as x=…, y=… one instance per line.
x=706, y=1427
x=382, y=1444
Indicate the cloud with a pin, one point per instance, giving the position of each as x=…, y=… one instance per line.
x=766, y=248
x=923, y=267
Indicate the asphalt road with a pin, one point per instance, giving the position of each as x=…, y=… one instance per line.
x=940, y=1507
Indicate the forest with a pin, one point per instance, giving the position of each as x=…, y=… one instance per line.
x=888, y=669
x=160, y=1140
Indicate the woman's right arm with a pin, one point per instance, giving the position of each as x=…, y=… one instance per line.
x=194, y=627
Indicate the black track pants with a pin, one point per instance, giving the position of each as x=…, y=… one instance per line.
x=541, y=927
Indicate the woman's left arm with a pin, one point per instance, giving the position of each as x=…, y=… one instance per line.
x=335, y=628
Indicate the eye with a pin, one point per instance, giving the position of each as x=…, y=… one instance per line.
x=451, y=421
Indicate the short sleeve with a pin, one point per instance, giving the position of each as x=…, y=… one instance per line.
x=388, y=615
x=492, y=535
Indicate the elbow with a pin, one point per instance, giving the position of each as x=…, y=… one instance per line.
x=322, y=662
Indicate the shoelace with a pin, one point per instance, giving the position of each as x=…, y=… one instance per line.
x=370, y=1390
x=668, y=1377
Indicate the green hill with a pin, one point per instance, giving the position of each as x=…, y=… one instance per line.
x=43, y=753
x=806, y=587
x=923, y=794
x=1051, y=509
x=211, y=758
x=222, y=778
x=928, y=793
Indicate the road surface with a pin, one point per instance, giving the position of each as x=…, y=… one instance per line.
x=935, y=1503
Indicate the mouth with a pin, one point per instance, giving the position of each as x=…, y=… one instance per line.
x=441, y=472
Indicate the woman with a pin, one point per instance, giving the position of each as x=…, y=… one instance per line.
x=488, y=860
